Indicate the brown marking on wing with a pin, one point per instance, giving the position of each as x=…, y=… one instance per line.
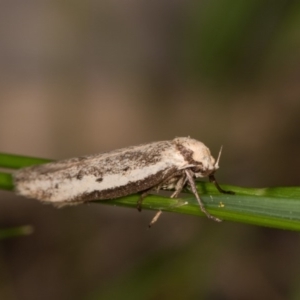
x=90, y=170
x=131, y=188
x=186, y=153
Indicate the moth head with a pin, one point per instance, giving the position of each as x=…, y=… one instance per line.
x=198, y=157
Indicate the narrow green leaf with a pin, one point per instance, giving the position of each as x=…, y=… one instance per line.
x=272, y=207
x=17, y=161
x=15, y=232
x=6, y=181
x=277, y=207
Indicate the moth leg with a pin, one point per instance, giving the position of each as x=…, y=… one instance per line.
x=194, y=190
x=157, y=215
x=143, y=195
x=213, y=180
x=155, y=218
x=157, y=189
x=179, y=186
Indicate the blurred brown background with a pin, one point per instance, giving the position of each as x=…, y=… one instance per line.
x=82, y=77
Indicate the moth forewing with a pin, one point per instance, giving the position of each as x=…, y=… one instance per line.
x=165, y=164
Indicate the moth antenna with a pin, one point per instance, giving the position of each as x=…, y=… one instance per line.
x=219, y=156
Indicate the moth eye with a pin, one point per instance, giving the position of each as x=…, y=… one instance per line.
x=197, y=169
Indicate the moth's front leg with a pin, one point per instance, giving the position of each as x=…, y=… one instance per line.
x=213, y=180
x=192, y=184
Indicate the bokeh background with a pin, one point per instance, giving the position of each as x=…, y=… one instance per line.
x=82, y=77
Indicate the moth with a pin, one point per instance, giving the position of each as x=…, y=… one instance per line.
x=165, y=165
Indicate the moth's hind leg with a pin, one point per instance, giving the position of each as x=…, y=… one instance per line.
x=143, y=195
x=178, y=188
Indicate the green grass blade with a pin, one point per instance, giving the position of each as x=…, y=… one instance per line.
x=272, y=207
x=15, y=232
x=18, y=161
x=277, y=207
x=6, y=181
